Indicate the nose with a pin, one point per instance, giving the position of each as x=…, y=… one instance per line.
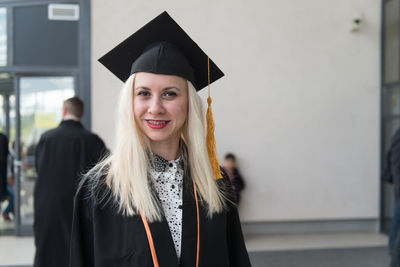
x=156, y=106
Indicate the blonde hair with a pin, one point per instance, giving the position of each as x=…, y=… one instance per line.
x=127, y=168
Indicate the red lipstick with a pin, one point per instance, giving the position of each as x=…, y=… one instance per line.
x=157, y=124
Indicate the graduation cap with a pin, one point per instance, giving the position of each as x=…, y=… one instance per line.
x=162, y=47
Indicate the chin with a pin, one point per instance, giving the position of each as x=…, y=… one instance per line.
x=158, y=137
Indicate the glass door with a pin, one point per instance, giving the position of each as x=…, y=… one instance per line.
x=40, y=100
x=390, y=98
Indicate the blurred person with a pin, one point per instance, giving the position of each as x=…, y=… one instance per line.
x=3, y=169
x=388, y=178
x=10, y=206
x=62, y=155
x=10, y=183
x=231, y=169
x=160, y=198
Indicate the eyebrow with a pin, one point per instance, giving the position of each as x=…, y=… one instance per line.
x=166, y=88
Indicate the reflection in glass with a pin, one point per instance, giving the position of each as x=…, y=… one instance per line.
x=390, y=128
x=6, y=91
x=40, y=110
x=391, y=39
x=12, y=114
x=3, y=36
x=391, y=98
x=2, y=115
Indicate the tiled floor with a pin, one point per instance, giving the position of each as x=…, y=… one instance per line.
x=16, y=250
x=20, y=251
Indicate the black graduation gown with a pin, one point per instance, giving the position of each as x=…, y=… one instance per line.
x=102, y=237
x=3, y=166
x=62, y=155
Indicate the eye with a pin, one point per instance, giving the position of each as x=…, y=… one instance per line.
x=170, y=94
x=143, y=93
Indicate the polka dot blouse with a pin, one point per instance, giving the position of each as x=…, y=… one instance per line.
x=168, y=182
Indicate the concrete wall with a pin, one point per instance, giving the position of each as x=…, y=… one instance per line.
x=299, y=104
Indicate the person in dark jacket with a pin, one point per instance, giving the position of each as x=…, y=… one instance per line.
x=3, y=166
x=62, y=155
x=160, y=198
x=10, y=184
x=230, y=167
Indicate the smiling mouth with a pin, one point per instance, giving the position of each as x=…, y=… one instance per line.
x=157, y=124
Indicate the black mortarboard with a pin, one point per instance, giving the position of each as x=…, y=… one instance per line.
x=162, y=47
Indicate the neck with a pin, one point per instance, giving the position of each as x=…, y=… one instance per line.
x=70, y=117
x=167, y=149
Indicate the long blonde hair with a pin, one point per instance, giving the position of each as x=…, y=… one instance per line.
x=127, y=168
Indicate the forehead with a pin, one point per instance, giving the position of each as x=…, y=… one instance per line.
x=153, y=81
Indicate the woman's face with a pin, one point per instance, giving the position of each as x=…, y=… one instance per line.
x=160, y=106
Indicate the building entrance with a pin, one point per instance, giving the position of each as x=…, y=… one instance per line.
x=44, y=59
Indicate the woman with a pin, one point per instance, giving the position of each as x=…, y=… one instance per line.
x=155, y=200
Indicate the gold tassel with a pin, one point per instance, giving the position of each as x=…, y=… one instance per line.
x=211, y=146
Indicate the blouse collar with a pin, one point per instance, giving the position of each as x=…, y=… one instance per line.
x=160, y=164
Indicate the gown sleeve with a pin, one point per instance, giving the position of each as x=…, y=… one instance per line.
x=238, y=256
x=82, y=238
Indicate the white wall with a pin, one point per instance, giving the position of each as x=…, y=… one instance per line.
x=299, y=104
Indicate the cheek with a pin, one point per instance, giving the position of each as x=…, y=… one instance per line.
x=183, y=111
x=138, y=109
x=178, y=110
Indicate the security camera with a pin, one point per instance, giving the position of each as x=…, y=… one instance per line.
x=356, y=22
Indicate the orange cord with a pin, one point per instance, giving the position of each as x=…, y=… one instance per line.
x=198, y=226
x=150, y=238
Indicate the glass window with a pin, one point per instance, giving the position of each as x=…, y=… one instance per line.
x=12, y=115
x=390, y=128
x=3, y=36
x=41, y=100
x=2, y=115
x=55, y=43
x=391, y=38
x=391, y=100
